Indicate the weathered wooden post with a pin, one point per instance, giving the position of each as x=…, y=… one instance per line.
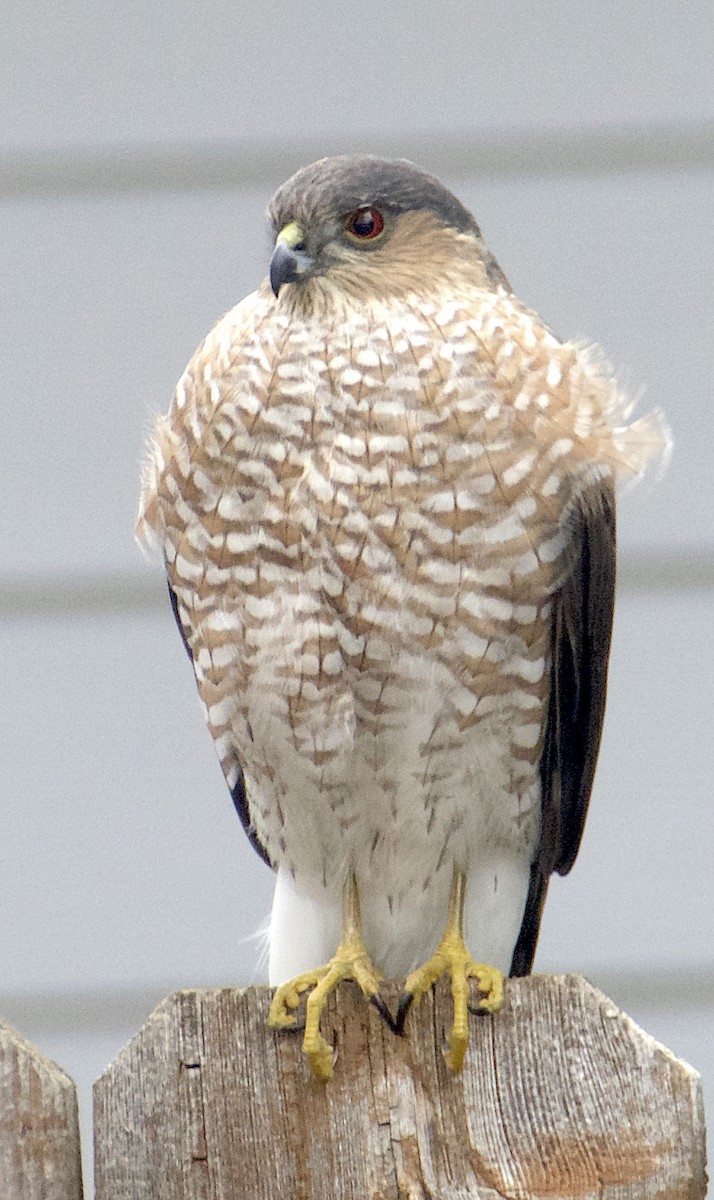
x=39, y=1131
x=561, y=1096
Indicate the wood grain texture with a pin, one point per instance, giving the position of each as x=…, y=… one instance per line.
x=39, y=1130
x=561, y=1096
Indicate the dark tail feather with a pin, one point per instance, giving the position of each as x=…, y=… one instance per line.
x=522, y=961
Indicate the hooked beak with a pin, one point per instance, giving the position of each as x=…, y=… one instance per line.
x=289, y=260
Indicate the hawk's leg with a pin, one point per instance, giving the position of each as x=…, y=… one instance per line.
x=350, y=961
x=452, y=958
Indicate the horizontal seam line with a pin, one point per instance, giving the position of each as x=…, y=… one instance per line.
x=219, y=164
x=99, y=594
x=663, y=989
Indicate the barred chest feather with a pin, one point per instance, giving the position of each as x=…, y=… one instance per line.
x=364, y=521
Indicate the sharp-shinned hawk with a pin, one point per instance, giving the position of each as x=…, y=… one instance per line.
x=385, y=497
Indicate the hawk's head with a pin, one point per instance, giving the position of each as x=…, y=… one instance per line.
x=372, y=227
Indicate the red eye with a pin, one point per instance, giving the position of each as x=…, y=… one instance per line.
x=365, y=224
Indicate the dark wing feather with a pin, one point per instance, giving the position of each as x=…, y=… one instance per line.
x=179, y=623
x=580, y=647
x=238, y=794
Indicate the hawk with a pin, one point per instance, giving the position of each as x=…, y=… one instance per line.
x=384, y=493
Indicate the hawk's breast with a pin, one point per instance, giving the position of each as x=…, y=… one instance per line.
x=364, y=523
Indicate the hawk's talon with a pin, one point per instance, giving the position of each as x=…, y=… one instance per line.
x=405, y=1002
x=349, y=962
x=385, y=1013
x=452, y=958
x=477, y=1011
x=320, y=1054
x=287, y=998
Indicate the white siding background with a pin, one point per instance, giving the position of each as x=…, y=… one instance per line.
x=139, y=145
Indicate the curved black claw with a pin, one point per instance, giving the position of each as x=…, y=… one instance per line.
x=384, y=1012
x=405, y=1002
x=477, y=1010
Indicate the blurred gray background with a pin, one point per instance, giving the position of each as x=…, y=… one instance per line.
x=139, y=146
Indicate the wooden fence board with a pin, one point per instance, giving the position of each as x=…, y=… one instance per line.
x=561, y=1096
x=39, y=1130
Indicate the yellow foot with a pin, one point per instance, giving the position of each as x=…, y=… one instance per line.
x=452, y=958
x=350, y=962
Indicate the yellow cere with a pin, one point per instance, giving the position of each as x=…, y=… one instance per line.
x=291, y=235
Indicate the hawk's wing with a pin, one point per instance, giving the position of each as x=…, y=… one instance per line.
x=580, y=646
x=238, y=795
